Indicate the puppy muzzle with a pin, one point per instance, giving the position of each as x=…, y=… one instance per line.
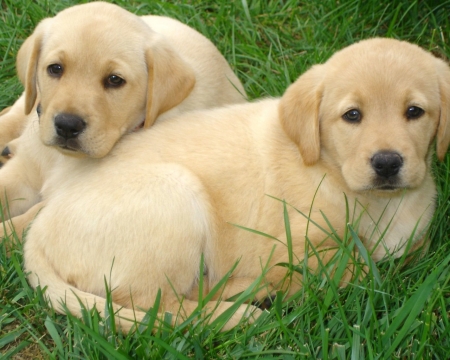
x=68, y=127
x=387, y=166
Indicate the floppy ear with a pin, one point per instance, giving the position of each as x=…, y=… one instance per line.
x=443, y=132
x=26, y=64
x=170, y=80
x=299, y=113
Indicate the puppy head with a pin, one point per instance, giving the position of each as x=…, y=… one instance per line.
x=370, y=114
x=99, y=72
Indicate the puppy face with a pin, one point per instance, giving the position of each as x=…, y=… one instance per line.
x=99, y=72
x=90, y=93
x=379, y=115
x=377, y=106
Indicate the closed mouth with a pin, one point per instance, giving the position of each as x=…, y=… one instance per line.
x=70, y=144
x=387, y=184
x=66, y=148
x=387, y=187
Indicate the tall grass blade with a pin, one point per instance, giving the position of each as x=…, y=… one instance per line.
x=411, y=309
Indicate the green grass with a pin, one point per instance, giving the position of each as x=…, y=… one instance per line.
x=397, y=311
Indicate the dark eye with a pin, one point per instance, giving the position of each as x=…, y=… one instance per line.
x=114, y=81
x=353, y=116
x=55, y=70
x=414, y=112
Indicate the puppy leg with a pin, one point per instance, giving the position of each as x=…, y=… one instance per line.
x=212, y=310
x=19, y=189
x=233, y=286
x=288, y=263
x=62, y=296
x=18, y=224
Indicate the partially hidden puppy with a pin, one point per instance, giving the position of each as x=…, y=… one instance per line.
x=360, y=126
x=99, y=72
x=12, y=123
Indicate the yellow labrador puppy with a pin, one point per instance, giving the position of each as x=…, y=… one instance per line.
x=362, y=124
x=100, y=72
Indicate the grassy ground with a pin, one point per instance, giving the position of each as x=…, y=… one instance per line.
x=398, y=311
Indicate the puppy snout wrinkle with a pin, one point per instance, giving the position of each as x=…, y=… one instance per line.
x=386, y=163
x=69, y=126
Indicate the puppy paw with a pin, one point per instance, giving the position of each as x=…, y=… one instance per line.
x=248, y=312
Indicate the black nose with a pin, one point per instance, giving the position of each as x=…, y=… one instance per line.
x=386, y=163
x=6, y=152
x=69, y=126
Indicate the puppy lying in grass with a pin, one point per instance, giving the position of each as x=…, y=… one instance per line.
x=103, y=73
x=357, y=130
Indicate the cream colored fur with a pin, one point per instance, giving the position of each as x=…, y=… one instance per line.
x=144, y=215
x=168, y=69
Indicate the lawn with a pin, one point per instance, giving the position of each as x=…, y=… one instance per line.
x=397, y=311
